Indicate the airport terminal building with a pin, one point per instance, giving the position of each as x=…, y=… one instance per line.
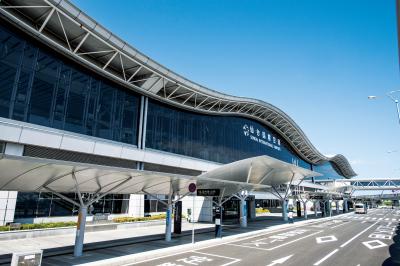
x=70, y=90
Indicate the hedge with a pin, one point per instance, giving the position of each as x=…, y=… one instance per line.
x=66, y=224
x=39, y=226
x=138, y=219
x=262, y=210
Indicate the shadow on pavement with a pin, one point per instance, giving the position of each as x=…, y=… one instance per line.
x=394, y=250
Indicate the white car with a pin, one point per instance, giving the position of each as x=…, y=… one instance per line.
x=360, y=208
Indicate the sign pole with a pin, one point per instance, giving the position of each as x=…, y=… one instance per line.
x=193, y=195
x=192, y=189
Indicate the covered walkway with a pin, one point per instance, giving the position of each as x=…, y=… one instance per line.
x=20, y=173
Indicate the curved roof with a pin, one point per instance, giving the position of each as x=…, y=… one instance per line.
x=67, y=29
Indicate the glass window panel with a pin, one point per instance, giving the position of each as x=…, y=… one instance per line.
x=98, y=206
x=24, y=83
x=92, y=107
x=26, y=205
x=78, y=92
x=118, y=114
x=105, y=109
x=61, y=97
x=60, y=207
x=10, y=56
x=43, y=89
x=130, y=119
x=43, y=208
x=108, y=206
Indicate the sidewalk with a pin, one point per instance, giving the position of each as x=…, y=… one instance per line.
x=115, y=243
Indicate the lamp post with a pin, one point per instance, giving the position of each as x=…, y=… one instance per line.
x=394, y=99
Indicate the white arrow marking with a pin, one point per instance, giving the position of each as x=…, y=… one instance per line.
x=280, y=261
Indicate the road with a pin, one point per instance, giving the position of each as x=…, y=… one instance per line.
x=350, y=240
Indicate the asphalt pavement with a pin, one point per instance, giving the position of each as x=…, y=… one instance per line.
x=350, y=240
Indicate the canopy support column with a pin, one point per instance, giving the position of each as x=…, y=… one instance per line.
x=243, y=208
x=168, y=218
x=284, y=199
x=83, y=207
x=337, y=207
x=315, y=208
x=80, y=231
x=305, y=210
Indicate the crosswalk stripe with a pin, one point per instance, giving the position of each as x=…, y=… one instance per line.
x=380, y=219
x=386, y=219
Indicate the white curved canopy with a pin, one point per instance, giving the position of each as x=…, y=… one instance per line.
x=26, y=174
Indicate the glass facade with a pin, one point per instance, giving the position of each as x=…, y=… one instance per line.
x=152, y=205
x=222, y=139
x=327, y=171
x=39, y=88
x=35, y=205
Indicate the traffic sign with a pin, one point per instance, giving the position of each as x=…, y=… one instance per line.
x=192, y=187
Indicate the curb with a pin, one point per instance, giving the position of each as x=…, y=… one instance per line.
x=175, y=250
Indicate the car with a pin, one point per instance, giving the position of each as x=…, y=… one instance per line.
x=360, y=208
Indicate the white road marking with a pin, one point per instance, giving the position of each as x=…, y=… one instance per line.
x=326, y=257
x=380, y=219
x=324, y=239
x=357, y=235
x=363, y=222
x=386, y=219
x=378, y=244
x=234, y=260
x=280, y=261
x=269, y=249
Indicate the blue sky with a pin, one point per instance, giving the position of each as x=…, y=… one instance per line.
x=316, y=60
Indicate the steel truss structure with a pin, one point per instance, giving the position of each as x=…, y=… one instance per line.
x=369, y=183
x=65, y=28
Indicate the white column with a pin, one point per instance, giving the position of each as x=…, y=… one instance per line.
x=315, y=208
x=305, y=209
x=243, y=213
x=284, y=210
x=136, y=205
x=168, y=223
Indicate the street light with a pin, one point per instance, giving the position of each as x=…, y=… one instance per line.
x=391, y=96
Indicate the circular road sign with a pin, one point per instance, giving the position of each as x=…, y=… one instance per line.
x=192, y=187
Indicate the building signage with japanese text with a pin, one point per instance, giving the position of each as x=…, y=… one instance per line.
x=262, y=137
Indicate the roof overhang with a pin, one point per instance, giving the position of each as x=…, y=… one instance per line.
x=26, y=174
x=260, y=171
x=65, y=28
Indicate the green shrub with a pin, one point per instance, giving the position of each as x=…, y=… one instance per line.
x=138, y=219
x=262, y=210
x=46, y=225
x=38, y=226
